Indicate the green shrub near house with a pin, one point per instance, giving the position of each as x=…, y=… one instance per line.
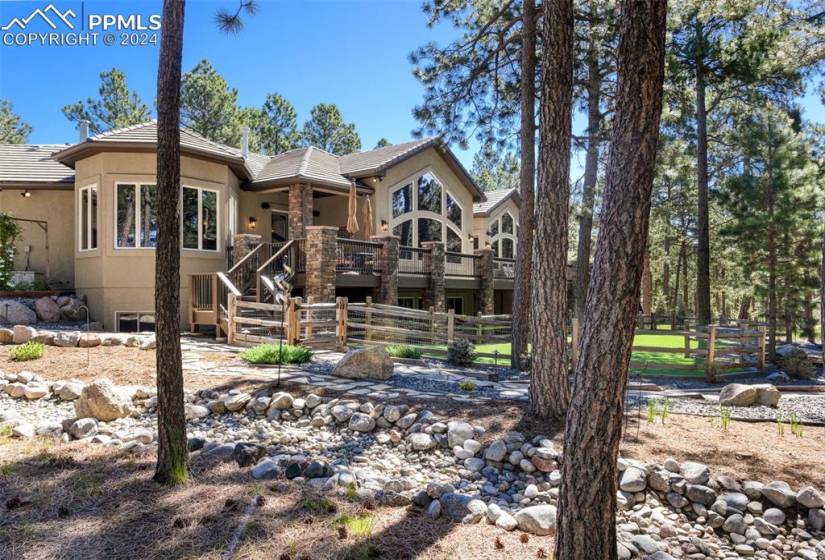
x=275, y=354
x=461, y=352
x=26, y=352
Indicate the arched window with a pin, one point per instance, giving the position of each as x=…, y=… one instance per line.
x=422, y=209
x=503, y=235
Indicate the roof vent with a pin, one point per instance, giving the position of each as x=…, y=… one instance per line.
x=84, y=130
x=244, y=141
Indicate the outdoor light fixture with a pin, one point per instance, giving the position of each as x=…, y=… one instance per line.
x=26, y=194
x=385, y=227
x=253, y=222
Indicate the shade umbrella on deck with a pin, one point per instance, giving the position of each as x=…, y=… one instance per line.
x=352, y=209
x=367, y=218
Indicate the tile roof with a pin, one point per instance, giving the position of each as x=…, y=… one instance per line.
x=311, y=164
x=32, y=164
x=494, y=198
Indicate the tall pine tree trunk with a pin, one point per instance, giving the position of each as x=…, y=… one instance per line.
x=703, y=312
x=587, y=505
x=647, y=288
x=172, y=466
x=524, y=252
x=549, y=386
x=591, y=175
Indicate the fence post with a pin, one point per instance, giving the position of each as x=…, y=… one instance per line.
x=763, y=333
x=341, y=317
x=687, y=344
x=368, y=318
x=432, y=324
x=309, y=317
x=711, y=356
x=450, y=326
x=574, y=341
x=292, y=322
x=230, y=320
x=479, y=330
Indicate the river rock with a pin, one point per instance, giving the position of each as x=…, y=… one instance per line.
x=458, y=433
x=634, y=479
x=361, y=422
x=67, y=339
x=365, y=363
x=779, y=493
x=810, y=498
x=462, y=508
x=695, y=473
x=538, y=520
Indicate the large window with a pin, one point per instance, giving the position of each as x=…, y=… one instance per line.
x=503, y=235
x=136, y=216
x=200, y=219
x=422, y=210
x=87, y=224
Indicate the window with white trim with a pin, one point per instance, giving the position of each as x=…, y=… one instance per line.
x=136, y=221
x=87, y=218
x=422, y=209
x=503, y=235
x=200, y=219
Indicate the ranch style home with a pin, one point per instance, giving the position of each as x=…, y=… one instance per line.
x=426, y=235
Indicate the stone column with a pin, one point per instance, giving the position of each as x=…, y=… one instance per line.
x=435, y=295
x=300, y=210
x=320, y=263
x=485, y=274
x=242, y=245
x=387, y=292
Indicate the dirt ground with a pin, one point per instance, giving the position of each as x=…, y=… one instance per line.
x=80, y=501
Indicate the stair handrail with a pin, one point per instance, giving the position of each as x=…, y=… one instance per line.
x=259, y=273
x=222, y=276
x=246, y=257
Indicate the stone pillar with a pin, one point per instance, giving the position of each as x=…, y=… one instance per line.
x=300, y=210
x=242, y=245
x=387, y=292
x=320, y=263
x=485, y=274
x=435, y=295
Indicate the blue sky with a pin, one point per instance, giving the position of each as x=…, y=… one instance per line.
x=349, y=52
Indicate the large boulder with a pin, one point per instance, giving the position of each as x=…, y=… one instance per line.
x=100, y=399
x=795, y=362
x=365, y=363
x=6, y=336
x=47, y=310
x=71, y=308
x=737, y=394
x=15, y=313
x=23, y=334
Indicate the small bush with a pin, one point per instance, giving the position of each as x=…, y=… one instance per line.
x=357, y=525
x=467, y=385
x=28, y=351
x=404, y=351
x=797, y=365
x=461, y=352
x=318, y=505
x=274, y=354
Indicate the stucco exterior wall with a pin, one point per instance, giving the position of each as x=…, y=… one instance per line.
x=122, y=279
x=56, y=208
x=481, y=224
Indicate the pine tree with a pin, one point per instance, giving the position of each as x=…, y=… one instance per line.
x=208, y=105
x=327, y=130
x=116, y=106
x=12, y=128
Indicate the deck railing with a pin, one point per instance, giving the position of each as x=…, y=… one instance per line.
x=414, y=260
x=359, y=257
x=504, y=268
x=460, y=264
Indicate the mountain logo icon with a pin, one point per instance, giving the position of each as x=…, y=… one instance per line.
x=50, y=10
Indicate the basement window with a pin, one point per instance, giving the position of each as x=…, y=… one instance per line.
x=135, y=321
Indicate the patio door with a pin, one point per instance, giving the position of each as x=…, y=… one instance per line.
x=280, y=226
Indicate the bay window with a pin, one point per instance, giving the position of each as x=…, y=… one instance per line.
x=136, y=223
x=87, y=212
x=200, y=219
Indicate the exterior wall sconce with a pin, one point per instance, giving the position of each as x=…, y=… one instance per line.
x=253, y=222
x=26, y=194
x=385, y=227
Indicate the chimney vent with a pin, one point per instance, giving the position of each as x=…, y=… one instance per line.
x=245, y=141
x=84, y=130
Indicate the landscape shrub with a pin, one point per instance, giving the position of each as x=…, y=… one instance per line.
x=797, y=365
x=9, y=231
x=275, y=354
x=461, y=352
x=29, y=351
x=404, y=351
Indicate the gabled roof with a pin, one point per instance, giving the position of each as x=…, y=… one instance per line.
x=144, y=136
x=30, y=165
x=257, y=171
x=494, y=200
